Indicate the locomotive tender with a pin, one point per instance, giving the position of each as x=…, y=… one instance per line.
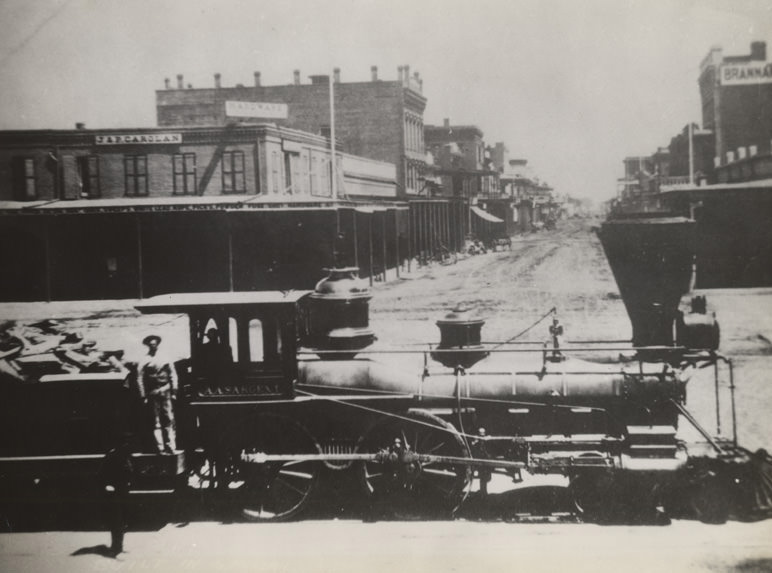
x=294, y=392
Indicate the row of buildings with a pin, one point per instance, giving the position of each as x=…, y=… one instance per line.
x=719, y=173
x=252, y=187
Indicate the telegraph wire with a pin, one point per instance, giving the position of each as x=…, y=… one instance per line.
x=21, y=45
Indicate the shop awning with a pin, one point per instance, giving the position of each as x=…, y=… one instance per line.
x=486, y=216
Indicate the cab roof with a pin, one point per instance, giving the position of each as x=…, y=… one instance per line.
x=188, y=302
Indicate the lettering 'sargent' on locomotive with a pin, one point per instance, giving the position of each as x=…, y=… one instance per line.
x=283, y=388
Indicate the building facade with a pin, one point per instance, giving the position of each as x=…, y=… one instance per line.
x=378, y=119
x=136, y=212
x=736, y=94
x=466, y=174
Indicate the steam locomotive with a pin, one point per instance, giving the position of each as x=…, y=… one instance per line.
x=301, y=393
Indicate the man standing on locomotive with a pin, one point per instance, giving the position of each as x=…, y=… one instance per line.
x=157, y=383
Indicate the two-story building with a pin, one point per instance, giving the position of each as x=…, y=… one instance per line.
x=378, y=119
x=466, y=174
x=130, y=213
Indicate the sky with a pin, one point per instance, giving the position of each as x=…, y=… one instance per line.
x=573, y=86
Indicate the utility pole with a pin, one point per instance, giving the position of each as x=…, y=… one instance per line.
x=691, y=155
x=333, y=158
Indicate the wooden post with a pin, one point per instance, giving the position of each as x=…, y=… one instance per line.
x=230, y=251
x=47, y=256
x=396, y=241
x=370, y=243
x=409, y=236
x=356, y=237
x=383, y=244
x=139, y=257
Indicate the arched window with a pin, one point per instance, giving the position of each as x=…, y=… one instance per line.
x=256, y=348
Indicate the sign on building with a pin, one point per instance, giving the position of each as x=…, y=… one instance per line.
x=256, y=109
x=751, y=73
x=138, y=138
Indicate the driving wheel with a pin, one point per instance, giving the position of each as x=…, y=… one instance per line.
x=404, y=482
x=271, y=491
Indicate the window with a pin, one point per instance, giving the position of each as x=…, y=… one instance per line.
x=305, y=165
x=233, y=172
x=233, y=337
x=275, y=173
x=292, y=174
x=184, y=167
x=326, y=177
x=24, y=182
x=256, y=350
x=88, y=176
x=314, y=174
x=135, y=175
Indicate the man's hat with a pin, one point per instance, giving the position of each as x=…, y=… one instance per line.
x=148, y=339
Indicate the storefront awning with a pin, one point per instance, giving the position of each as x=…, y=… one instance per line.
x=486, y=216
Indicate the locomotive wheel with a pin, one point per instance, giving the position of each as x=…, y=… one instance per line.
x=272, y=491
x=709, y=499
x=429, y=488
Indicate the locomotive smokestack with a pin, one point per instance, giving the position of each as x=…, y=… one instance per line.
x=652, y=266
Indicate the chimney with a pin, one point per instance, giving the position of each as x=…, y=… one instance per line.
x=80, y=125
x=180, y=83
x=336, y=75
x=297, y=77
x=759, y=51
x=446, y=122
x=167, y=83
x=217, y=81
x=257, y=79
x=399, y=74
x=407, y=75
x=374, y=73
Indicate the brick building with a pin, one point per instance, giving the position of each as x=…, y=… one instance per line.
x=131, y=213
x=736, y=94
x=702, y=151
x=378, y=119
x=466, y=174
x=732, y=204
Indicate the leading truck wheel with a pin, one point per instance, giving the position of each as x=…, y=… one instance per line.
x=273, y=491
x=399, y=483
x=708, y=500
x=592, y=494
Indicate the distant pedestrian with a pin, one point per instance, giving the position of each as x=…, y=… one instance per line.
x=116, y=476
x=157, y=383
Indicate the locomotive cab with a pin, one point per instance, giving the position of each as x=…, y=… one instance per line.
x=241, y=343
